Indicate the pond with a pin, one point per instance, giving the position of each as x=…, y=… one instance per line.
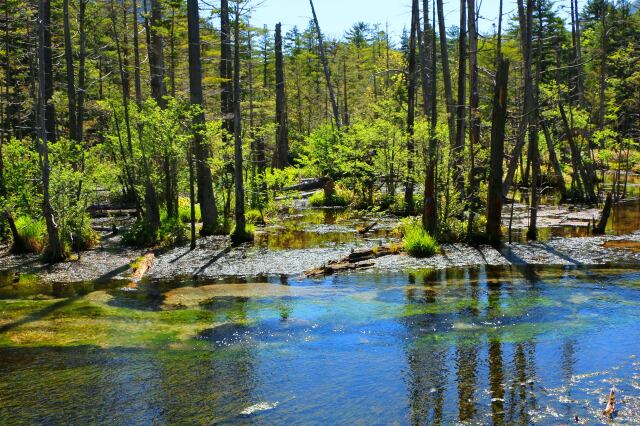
x=481, y=345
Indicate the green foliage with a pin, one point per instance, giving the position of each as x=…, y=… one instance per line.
x=243, y=237
x=255, y=217
x=184, y=210
x=171, y=233
x=340, y=198
x=417, y=242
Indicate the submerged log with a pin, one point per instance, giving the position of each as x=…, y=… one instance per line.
x=355, y=260
x=601, y=226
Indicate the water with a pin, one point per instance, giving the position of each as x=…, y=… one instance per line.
x=474, y=346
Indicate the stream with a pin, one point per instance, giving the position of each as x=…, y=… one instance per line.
x=499, y=345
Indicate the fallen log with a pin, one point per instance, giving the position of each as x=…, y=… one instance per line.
x=355, y=260
x=142, y=266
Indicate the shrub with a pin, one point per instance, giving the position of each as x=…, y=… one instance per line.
x=418, y=243
x=171, y=232
x=255, y=217
x=139, y=234
x=32, y=235
x=78, y=235
x=341, y=198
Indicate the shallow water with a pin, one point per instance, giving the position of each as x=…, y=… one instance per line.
x=481, y=346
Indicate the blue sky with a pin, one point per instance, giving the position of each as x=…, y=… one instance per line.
x=336, y=16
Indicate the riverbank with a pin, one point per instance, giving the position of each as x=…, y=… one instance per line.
x=215, y=258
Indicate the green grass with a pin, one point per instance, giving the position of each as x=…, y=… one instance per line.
x=340, y=198
x=32, y=234
x=418, y=243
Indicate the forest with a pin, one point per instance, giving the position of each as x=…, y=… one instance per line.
x=197, y=121
x=209, y=220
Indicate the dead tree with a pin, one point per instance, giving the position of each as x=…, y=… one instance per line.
x=325, y=66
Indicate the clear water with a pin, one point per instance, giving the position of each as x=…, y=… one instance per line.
x=473, y=346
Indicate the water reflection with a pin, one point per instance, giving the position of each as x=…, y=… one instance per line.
x=480, y=346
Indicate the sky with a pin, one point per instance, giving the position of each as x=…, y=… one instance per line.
x=336, y=16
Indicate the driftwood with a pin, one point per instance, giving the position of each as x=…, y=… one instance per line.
x=355, y=260
x=143, y=265
x=601, y=226
x=611, y=404
x=365, y=229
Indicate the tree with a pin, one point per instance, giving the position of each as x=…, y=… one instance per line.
x=281, y=157
x=206, y=197
x=46, y=115
x=411, y=105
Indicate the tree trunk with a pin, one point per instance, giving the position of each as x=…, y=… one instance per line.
x=208, y=209
x=411, y=112
x=226, y=85
x=426, y=70
x=281, y=159
x=136, y=56
x=525, y=18
x=46, y=63
x=446, y=71
x=458, y=152
x=156, y=55
x=71, y=85
x=553, y=158
x=325, y=66
x=46, y=124
x=240, y=234
x=430, y=213
x=474, y=114
x=498, y=120
x=576, y=155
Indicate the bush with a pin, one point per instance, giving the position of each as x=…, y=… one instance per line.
x=32, y=235
x=139, y=234
x=418, y=243
x=255, y=217
x=341, y=198
x=172, y=232
x=78, y=235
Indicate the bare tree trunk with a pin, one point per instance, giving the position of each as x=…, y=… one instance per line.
x=281, y=159
x=498, y=120
x=446, y=71
x=553, y=158
x=55, y=253
x=458, y=152
x=603, y=69
x=136, y=55
x=430, y=214
x=156, y=55
x=525, y=18
x=208, y=209
x=47, y=64
x=325, y=66
x=240, y=234
x=426, y=70
x=474, y=113
x=71, y=85
x=411, y=109
x=576, y=156
x=226, y=85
